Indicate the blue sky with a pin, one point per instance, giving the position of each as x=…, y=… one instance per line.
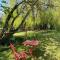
x=1, y=9
x=0, y=5
x=7, y=4
x=0, y=2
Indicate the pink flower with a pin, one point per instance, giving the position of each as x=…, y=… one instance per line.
x=12, y=47
x=22, y=55
x=17, y=56
x=30, y=51
x=34, y=43
x=31, y=43
x=26, y=43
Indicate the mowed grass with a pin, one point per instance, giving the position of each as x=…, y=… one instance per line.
x=49, y=39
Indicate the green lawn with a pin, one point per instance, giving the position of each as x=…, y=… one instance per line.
x=50, y=40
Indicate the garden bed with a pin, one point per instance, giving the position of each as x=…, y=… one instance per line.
x=48, y=40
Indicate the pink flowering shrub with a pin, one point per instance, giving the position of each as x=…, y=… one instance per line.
x=23, y=55
x=32, y=43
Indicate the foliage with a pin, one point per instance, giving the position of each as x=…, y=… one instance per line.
x=49, y=47
x=44, y=10
x=32, y=15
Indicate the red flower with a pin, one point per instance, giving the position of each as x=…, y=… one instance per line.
x=17, y=56
x=22, y=55
x=14, y=52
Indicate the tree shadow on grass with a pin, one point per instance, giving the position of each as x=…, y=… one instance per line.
x=6, y=55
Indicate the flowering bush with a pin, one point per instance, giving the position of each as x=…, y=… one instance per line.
x=23, y=55
x=32, y=43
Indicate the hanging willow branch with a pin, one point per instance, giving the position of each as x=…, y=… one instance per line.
x=11, y=13
x=9, y=16
x=27, y=14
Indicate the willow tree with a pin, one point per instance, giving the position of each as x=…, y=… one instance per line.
x=24, y=8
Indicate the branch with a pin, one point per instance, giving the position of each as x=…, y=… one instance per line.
x=14, y=20
x=9, y=16
x=23, y=20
